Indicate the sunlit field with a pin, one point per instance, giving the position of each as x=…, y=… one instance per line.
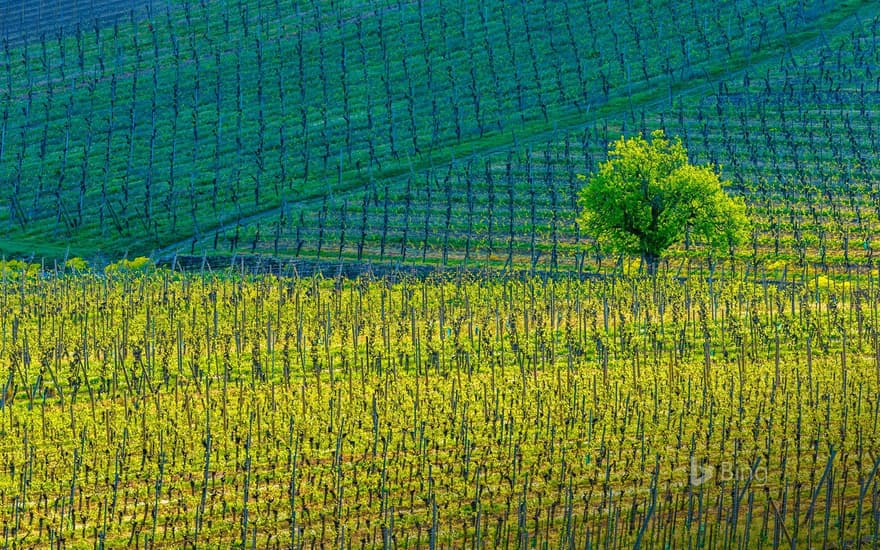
x=337, y=274
x=159, y=409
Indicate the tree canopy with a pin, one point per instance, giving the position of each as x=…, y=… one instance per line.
x=648, y=197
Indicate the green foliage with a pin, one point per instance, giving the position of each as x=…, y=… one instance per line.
x=14, y=269
x=647, y=197
x=138, y=264
x=77, y=264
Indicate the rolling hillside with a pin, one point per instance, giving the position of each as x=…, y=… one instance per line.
x=424, y=132
x=452, y=362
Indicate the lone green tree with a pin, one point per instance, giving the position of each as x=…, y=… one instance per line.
x=647, y=197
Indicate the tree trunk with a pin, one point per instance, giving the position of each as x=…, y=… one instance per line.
x=652, y=262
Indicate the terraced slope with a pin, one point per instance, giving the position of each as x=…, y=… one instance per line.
x=230, y=125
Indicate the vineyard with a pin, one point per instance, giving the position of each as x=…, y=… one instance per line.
x=416, y=131
x=166, y=410
x=284, y=274
x=23, y=20
x=797, y=141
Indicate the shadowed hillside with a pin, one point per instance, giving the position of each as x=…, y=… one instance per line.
x=26, y=20
x=420, y=132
